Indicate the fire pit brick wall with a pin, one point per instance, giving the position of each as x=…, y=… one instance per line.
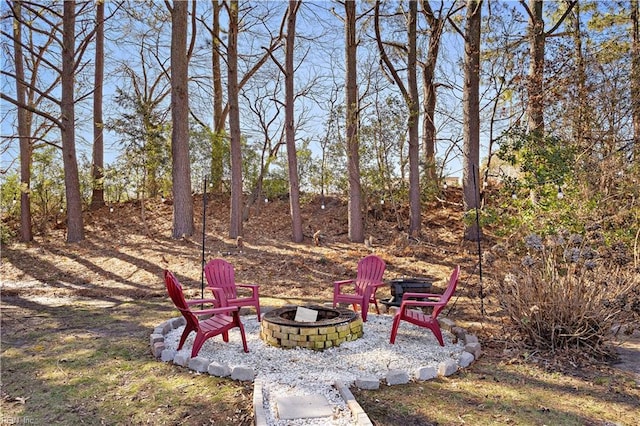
x=317, y=338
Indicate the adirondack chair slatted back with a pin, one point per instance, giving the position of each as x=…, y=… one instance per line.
x=218, y=321
x=220, y=274
x=370, y=271
x=451, y=288
x=361, y=290
x=174, y=288
x=409, y=309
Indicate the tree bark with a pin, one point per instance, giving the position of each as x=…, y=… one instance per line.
x=429, y=106
x=414, y=121
x=217, y=144
x=535, y=86
x=292, y=157
x=75, y=226
x=97, y=199
x=235, y=224
x=356, y=226
x=635, y=77
x=24, y=131
x=181, y=170
x=471, y=114
x=436, y=25
x=410, y=97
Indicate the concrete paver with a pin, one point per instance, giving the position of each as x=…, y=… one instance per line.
x=307, y=407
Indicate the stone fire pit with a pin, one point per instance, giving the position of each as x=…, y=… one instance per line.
x=332, y=327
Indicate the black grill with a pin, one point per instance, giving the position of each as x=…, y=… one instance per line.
x=399, y=286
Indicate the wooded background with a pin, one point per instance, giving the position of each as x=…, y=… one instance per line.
x=376, y=100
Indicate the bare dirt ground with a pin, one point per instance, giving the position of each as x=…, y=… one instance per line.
x=126, y=250
x=132, y=245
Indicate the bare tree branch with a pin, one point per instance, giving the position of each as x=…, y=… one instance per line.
x=32, y=109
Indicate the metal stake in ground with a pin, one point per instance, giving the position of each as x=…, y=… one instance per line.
x=475, y=194
x=204, y=219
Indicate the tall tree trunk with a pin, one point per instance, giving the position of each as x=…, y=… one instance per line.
x=181, y=169
x=471, y=114
x=635, y=77
x=75, y=226
x=235, y=224
x=580, y=129
x=410, y=97
x=535, y=84
x=217, y=147
x=24, y=130
x=429, y=92
x=414, y=122
x=356, y=227
x=292, y=157
x=97, y=199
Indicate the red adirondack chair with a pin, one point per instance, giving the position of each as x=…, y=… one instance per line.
x=220, y=274
x=221, y=321
x=417, y=317
x=362, y=289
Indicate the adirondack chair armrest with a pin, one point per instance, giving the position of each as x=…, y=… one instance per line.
x=200, y=301
x=253, y=287
x=421, y=296
x=372, y=288
x=215, y=311
x=339, y=284
x=407, y=304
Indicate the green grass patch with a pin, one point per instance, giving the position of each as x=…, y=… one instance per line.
x=96, y=368
x=503, y=394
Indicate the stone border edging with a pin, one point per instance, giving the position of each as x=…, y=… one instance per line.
x=472, y=351
x=357, y=412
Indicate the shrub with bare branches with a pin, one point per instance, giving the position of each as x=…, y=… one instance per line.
x=567, y=291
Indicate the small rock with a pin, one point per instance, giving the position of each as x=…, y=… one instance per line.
x=426, y=373
x=470, y=338
x=459, y=332
x=181, y=359
x=368, y=382
x=164, y=328
x=157, y=348
x=199, y=364
x=397, y=377
x=473, y=348
x=446, y=324
x=242, y=373
x=168, y=355
x=219, y=370
x=155, y=337
x=465, y=360
x=178, y=322
x=447, y=368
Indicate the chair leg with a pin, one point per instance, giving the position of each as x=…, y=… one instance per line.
x=375, y=303
x=435, y=328
x=364, y=311
x=394, y=328
x=225, y=336
x=197, y=344
x=258, y=311
x=244, y=339
x=185, y=333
